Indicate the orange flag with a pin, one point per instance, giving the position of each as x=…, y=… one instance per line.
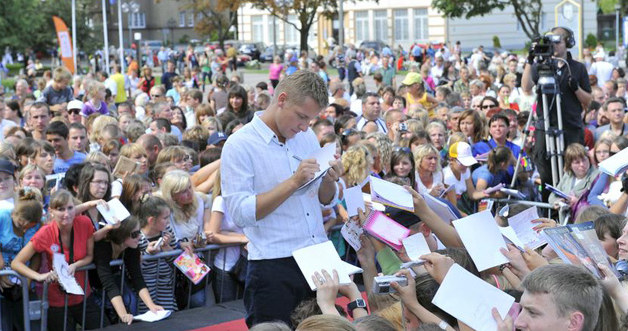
x=65, y=43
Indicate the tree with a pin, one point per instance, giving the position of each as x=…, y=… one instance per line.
x=217, y=17
x=527, y=12
x=305, y=11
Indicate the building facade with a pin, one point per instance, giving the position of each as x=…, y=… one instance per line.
x=403, y=23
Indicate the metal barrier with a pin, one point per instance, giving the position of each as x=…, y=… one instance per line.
x=25, y=298
x=205, y=251
x=542, y=205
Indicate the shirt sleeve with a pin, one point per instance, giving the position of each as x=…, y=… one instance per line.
x=388, y=261
x=238, y=192
x=218, y=205
x=102, y=258
x=132, y=264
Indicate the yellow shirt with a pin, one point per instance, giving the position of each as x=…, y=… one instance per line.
x=121, y=93
x=421, y=101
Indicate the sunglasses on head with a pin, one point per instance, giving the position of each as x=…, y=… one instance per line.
x=135, y=234
x=403, y=149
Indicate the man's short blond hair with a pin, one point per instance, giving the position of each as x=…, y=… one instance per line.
x=61, y=74
x=302, y=84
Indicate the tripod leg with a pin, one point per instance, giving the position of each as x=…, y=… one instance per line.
x=560, y=138
x=550, y=143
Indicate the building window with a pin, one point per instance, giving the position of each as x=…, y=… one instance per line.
x=182, y=18
x=401, y=24
x=257, y=28
x=361, y=25
x=420, y=24
x=191, y=19
x=272, y=30
x=292, y=34
x=137, y=20
x=381, y=25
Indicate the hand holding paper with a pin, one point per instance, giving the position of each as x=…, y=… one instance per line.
x=391, y=194
x=315, y=165
x=482, y=239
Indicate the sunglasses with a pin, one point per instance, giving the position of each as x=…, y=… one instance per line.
x=156, y=96
x=403, y=149
x=487, y=106
x=74, y=111
x=135, y=234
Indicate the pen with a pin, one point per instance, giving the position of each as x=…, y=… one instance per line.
x=296, y=157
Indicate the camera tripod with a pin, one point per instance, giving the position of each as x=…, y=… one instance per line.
x=548, y=87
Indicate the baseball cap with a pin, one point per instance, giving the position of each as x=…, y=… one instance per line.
x=75, y=104
x=7, y=167
x=216, y=137
x=412, y=78
x=462, y=152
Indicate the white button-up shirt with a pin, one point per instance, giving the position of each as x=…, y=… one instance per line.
x=255, y=162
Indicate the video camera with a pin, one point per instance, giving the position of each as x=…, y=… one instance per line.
x=542, y=49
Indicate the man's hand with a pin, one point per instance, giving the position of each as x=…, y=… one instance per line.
x=306, y=171
x=334, y=172
x=437, y=265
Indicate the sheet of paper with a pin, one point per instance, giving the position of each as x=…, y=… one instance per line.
x=494, y=188
x=351, y=231
x=67, y=281
x=416, y=246
x=149, y=316
x=318, y=257
x=482, y=239
x=323, y=156
x=374, y=205
x=615, y=164
x=354, y=200
x=390, y=193
x=440, y=208
x=513, y=193
x=114, y=212
x=523, y=226
x=470, y=299
x=510, y=235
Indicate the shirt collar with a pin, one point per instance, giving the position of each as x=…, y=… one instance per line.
x=264, y=131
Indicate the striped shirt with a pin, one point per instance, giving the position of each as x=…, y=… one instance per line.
x=158, y=274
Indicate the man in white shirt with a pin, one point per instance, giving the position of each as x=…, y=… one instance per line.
x=370, y=120
x=601, y=69
x=263, y=165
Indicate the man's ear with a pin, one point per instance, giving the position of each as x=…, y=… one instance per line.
x=576, y=321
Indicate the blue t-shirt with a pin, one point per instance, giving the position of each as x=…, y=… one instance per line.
x=62, y=165
x=10, y=242
x=492, y=179
x=482, y=147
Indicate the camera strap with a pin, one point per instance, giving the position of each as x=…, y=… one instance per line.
x=71, y=245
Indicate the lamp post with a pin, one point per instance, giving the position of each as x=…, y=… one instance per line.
x=617, y=8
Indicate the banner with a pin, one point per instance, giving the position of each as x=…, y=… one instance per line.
x=65, y=43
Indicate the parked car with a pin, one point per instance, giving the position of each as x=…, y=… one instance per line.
x=252, y=49
x=375, y=45
x=267, y=54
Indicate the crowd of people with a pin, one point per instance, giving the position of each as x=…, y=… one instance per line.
x=230, y=166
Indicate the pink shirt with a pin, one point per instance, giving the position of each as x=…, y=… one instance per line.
x=274, y=71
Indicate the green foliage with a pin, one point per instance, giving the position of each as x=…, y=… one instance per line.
x=496, y=42
x=14, y=68
x=467, y=8
x=28, y=24
x=590, y=41
x=184, y=39
x=9, y=83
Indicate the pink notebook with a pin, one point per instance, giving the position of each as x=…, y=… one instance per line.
x=385, y=229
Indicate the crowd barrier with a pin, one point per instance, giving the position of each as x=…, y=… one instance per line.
x=38, y=309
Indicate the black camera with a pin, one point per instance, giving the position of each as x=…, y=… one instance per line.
x=543, y=47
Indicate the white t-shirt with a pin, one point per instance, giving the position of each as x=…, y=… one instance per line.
x=194, y=225
x=459, y=185
x=438, y=179
x=229, y=255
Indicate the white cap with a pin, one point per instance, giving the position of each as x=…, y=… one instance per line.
x=75, y=104
x=462, y=152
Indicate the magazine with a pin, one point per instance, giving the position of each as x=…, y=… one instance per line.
x=578, y=244
x=192, y=266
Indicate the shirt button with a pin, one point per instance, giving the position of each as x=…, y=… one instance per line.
x=312, y=236
x=308, y=214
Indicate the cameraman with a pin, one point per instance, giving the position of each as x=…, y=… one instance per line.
x=575, y=92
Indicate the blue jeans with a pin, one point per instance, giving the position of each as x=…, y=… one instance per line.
x=226, y=287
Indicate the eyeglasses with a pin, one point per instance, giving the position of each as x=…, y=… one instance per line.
x=611, y=153
x=135, y=234
x=74, y=111
x=100, y=182
x=349, y=132
x=487, y=106
x=156, y=96
x=403, y=149
x=602, y=152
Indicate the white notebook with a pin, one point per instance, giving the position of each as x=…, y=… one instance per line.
x=116, y=212
x=482, y=239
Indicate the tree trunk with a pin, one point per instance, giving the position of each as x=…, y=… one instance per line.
x=305, y=31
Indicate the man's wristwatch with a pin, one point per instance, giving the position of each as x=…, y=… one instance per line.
x=358, y=303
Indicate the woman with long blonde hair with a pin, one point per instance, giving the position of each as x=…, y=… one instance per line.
x=357, y=163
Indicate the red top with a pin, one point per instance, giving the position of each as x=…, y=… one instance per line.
x=47, y=236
